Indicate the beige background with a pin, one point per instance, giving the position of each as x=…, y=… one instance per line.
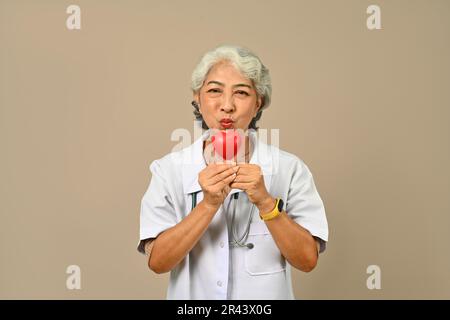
x=83, y=113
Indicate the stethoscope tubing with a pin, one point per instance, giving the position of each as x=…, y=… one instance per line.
x=241, y=241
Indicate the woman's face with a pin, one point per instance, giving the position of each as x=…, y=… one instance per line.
x=227, y=99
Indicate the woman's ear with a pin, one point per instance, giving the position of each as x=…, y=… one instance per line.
x=196, y=97
x=196, y=102
x=258, y=105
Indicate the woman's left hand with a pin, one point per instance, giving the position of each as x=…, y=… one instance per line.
x=250, y=179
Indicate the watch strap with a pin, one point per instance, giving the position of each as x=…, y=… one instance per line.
x=274, y=213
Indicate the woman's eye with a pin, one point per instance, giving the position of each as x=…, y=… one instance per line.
x=242, y=92
x=213, y=90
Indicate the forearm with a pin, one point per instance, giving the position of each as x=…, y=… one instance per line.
x=171, y=246
x=296, y=244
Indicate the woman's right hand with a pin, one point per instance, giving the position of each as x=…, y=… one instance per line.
x=215, y=181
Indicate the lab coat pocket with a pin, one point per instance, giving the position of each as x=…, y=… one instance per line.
x=264, y=257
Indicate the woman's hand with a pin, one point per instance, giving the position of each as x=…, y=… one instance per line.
x=250, y=179
x=215, y=181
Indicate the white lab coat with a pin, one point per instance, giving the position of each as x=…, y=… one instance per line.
x=213, y=269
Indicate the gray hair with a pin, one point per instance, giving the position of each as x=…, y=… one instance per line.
x=243, y=60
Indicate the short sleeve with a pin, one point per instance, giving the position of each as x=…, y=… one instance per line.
x=157, y=208
x=304, y=204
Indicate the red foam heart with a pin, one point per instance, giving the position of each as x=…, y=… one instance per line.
x=226, y=143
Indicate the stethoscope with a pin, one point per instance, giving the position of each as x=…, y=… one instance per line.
x=238, y=241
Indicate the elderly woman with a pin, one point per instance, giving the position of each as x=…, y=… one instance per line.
x=231, y=229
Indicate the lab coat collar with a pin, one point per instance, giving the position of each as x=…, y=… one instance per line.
x=193, y=162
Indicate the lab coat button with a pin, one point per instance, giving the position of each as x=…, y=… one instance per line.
x=219, y=283
x=221, y=244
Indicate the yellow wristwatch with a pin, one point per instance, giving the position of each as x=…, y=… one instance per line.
x=275, y=212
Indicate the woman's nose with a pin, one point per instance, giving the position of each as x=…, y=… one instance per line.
x=227, y=106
